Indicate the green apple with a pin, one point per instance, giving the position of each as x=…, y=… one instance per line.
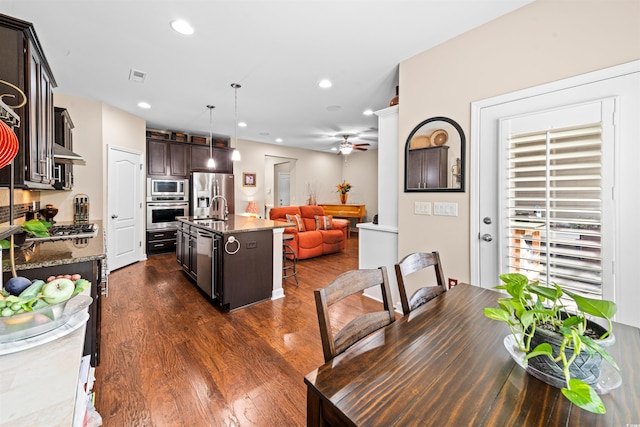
x=58, y=290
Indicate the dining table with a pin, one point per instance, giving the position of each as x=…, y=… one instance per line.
x=446, y=364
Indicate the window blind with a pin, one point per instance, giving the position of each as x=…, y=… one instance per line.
x=554, y=204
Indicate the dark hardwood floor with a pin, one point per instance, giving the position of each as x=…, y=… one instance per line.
x=171, y=358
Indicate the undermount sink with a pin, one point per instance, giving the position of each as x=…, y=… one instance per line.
x=207, y=221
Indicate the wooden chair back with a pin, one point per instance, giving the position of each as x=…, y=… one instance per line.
x=343, y=286
x=412, y=263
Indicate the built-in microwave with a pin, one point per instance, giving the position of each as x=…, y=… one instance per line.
x=167, y=189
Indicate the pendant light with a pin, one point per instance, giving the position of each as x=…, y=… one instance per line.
x=235, y=156
x=211, y=163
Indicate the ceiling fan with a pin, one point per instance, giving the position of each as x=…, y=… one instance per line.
x=347, y=147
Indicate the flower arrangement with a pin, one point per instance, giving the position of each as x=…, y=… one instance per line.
x=344, y=187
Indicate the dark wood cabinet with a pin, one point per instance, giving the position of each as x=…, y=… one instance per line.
x=178, y=159
x=221, y=156
x=25, y=66
x=167, y=158
x=161, y=241
x=427, y=167
x=247, y=276
x=157, y=155
x=63, y=131
x=186, y=249
x=174, y=159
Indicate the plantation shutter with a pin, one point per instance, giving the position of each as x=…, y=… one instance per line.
x=554, y=186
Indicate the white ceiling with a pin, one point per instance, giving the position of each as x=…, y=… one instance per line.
x=277, y=50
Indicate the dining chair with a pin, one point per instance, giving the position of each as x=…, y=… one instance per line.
x=343, y=286
x=413, y=263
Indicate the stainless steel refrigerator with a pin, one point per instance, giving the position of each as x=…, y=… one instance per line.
x=208, y=194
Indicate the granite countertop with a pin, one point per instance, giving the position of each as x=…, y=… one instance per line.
x=56, y=252
x=235, y=224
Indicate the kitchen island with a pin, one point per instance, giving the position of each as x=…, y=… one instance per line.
x=236, y=262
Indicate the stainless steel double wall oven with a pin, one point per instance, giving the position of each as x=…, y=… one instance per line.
x=166, y=200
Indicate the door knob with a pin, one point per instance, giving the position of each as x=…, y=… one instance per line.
x=487, y=237
x=487, y=220
x=114, y=216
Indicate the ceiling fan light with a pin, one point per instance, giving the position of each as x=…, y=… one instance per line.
x=235, y=156
x=346, y=150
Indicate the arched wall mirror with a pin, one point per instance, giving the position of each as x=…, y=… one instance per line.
x=434, y=157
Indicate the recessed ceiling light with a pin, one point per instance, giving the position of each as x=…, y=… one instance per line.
x=242, y=124
x=278, y=139
x=334, y=149
x=183, y=27
x=144, y=105
x=325, y=83
x=368, y=112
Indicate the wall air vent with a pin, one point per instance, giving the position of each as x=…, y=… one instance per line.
x=137, y=76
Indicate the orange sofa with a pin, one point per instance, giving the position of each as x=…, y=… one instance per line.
x=312, y=242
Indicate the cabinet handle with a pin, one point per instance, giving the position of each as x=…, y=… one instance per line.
x=157, y=235
x=158, y=245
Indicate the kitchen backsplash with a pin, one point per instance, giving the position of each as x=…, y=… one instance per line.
x=19, y=211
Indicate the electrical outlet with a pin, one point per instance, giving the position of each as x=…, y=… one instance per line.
x=452, y=282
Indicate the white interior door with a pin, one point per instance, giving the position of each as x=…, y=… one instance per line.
x=124, y=208
x=284, y=189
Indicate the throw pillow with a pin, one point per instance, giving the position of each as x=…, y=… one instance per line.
x=323, y=222
x=297, y=221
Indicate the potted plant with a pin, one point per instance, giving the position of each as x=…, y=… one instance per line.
x=563, y=347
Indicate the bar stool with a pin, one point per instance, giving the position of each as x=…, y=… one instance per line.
x=289, y=259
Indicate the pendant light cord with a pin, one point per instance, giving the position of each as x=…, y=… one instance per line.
x=211, y=162
x=235, y=154
x=235, y=134
x=210, y=107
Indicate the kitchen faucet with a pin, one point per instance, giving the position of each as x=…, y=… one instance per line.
x=226, y=205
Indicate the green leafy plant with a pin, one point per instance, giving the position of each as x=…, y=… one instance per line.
x=530, y=306
x=35, y=227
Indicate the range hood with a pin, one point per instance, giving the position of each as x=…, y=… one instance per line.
x=64, y=155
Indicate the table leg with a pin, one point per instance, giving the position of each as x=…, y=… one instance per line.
x=313, y=408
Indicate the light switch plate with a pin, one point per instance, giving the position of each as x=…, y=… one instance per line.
x=422, y=208
x=445, y=209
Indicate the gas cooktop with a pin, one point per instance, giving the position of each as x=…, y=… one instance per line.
x=70, y=231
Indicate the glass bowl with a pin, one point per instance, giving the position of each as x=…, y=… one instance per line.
x=42, y=320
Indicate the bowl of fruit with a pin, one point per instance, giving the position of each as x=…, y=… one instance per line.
x=29, y=308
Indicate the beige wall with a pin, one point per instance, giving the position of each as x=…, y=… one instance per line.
x=96, y=126
x=86, y=116
x=539, y=43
